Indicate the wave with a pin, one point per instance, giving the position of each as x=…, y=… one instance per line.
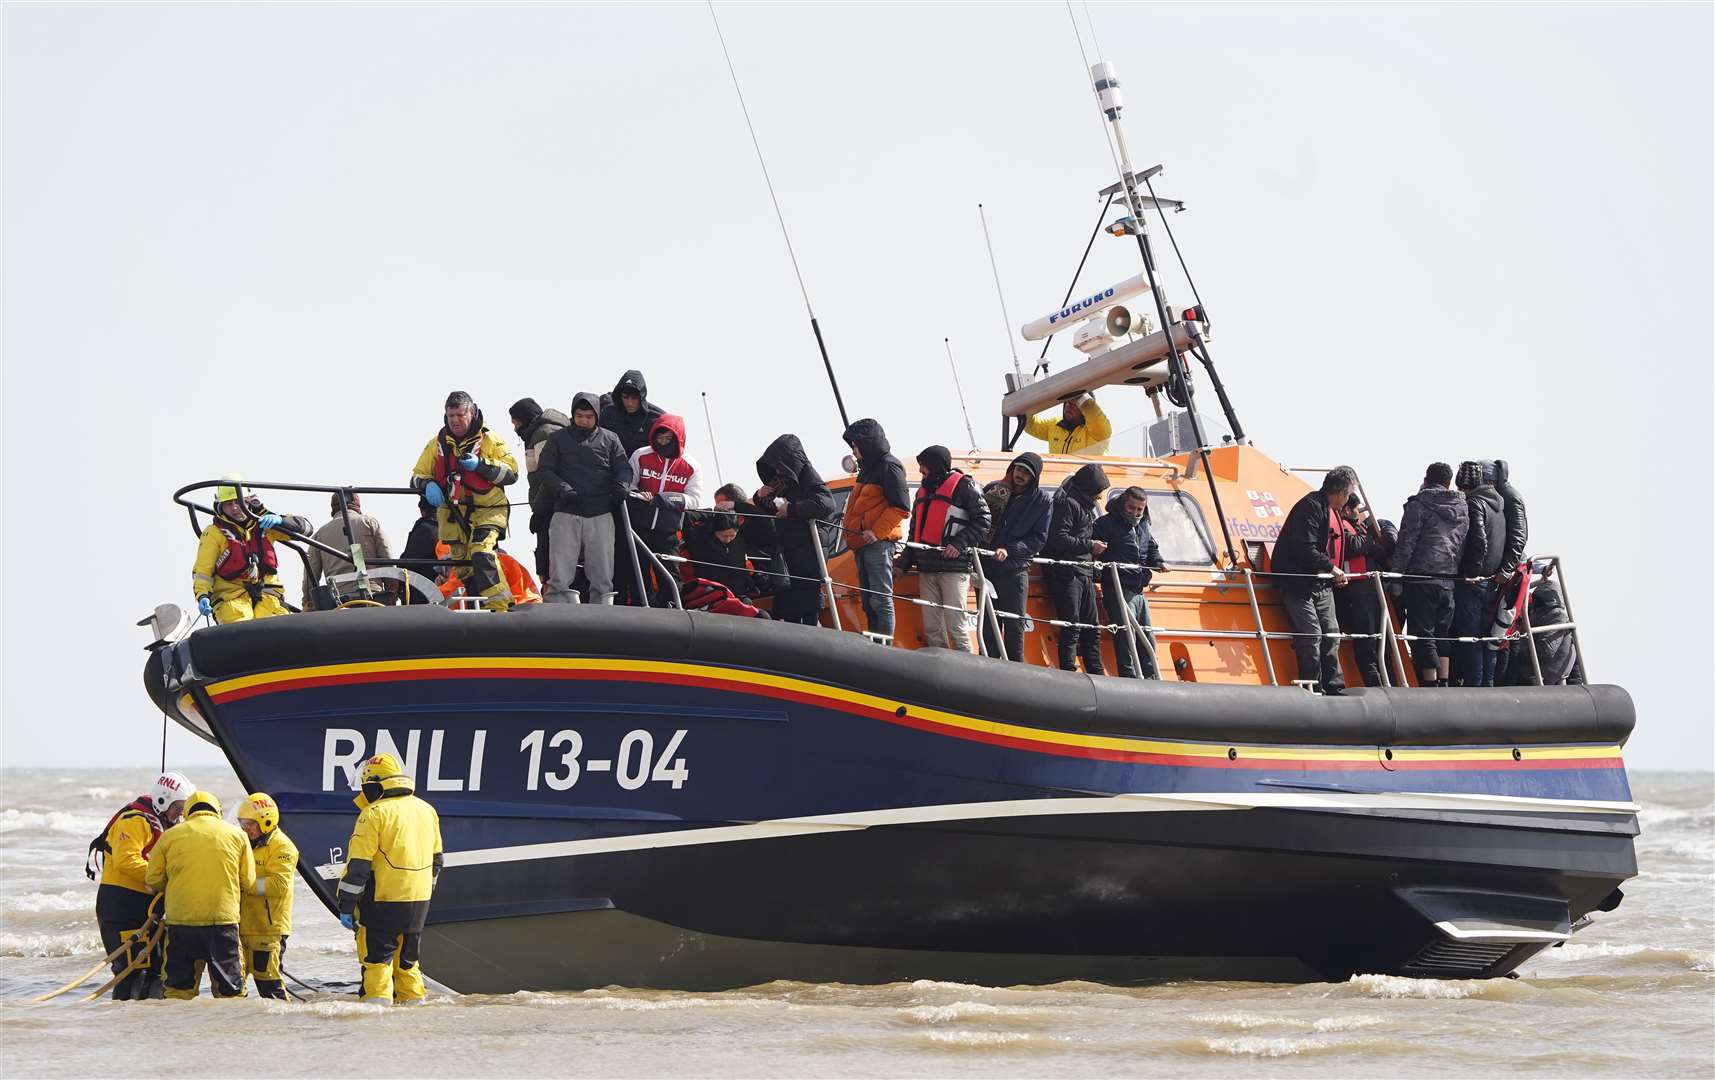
x=1399, y=986
x=54, y=821
x=962, y=1010
x=63, y=944
x=978, y=1039
x=1694, y=959
x=1278, y=1046
x=1324, y=1025
x=82, y=900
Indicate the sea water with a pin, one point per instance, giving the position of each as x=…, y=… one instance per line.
x=1633, y=994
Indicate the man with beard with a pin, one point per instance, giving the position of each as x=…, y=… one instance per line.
x=1020, y=530
x=463, y=473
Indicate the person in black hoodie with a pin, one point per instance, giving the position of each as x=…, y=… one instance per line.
x=1368, y=544
x=584, y=475
x=1020, y=530
x=1518, y=536
x=534, y=424
x=1071, y=536
x=1312, y=543
x=1475, y=591
x=717, y=551
x=1431, y=538
x=419, y=553
x=950, y=515
x=1125, y=530
x=628, y=412
x=794, y=493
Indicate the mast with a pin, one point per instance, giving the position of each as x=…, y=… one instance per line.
x=1179, y=389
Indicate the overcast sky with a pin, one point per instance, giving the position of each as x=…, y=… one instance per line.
x=271, y=239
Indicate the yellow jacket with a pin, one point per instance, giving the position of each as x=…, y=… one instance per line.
x=129, y=838
x=205, y=582
x=266, y=909
x=398, y=837
x=1090, y=437
x=498, y=467
x=204, y=864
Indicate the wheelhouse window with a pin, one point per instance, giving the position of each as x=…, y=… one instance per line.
x=1176, y=522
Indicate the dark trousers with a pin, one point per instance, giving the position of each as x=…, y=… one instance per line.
x=192, y=948
x=1011, y=593
x=661, y=542
x=1473, y=616
x=1359, y=611
x=1075, y=601
x=1315, y=637
x=120, y=913
x=539, y=526
x=799, y=604
x=1429, y=606
x=1116, y=604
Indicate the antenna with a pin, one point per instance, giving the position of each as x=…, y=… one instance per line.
x=781, y=217
x=1006, y=320
x=709, y=423
x=969, y=430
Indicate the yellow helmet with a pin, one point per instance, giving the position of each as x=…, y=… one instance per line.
x=378, y=768
x=230, y=486
x=258, y=807
x=202, y=800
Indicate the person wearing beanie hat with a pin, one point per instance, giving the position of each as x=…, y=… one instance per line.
x=1020, y=531
x=950, y=515
x=534, y=424
x=1480, y=558
x=1071, y=537
x=1082, y=428
x=463, y=472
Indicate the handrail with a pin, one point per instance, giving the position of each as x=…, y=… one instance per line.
x=985, y=611
x=822, y=564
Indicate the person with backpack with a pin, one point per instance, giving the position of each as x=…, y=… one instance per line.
x=951, y=516
x=119, y=860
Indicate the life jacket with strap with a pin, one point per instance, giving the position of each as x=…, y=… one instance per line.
x=1357, y=565
x=451, y=479
x=701, y=594
x=1337, y=538
x=1509, y=618
x=99, y=848
x=934, y=518
x=235, y=563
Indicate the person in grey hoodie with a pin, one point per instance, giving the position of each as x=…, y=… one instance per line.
x=534, y=424
x=583, y=475
x=1475, y=591
x=1431, y=539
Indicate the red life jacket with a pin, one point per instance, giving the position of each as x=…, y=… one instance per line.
x=933, y=510
x=1358, y=564
x=1337, y=527
x=448, y=476
x=99, y=848
x=234, y=562
x=701, y=594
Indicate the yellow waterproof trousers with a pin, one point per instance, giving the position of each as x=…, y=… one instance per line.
x=391, y=971
x=262, y=962
x=239, y=608
x=482, y=578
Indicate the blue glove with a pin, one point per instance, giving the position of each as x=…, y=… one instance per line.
x=348, y=920
x=432, y=492
x=469, y=463
x=269, y=521
x=205, y=607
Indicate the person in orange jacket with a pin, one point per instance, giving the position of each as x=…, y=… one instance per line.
x=518, y=579
x=879, y=504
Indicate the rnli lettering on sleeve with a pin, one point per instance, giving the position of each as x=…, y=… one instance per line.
x=204, y=865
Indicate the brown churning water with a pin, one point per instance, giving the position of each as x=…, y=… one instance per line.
x=1633, y=994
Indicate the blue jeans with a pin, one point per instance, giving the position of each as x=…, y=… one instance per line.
x=1473, y=616
x=875, y=577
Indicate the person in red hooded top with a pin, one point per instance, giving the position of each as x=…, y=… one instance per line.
x=665, y=483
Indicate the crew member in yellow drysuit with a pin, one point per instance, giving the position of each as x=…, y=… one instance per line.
x=391, y=865
x=204, y=865
x=265, y=912
x=463, y=472
x=121, y=857
x=237, y=572
x=1083, y=428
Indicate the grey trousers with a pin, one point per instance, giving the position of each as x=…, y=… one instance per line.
x=573, y=538
x=943, y=629
x=1314, y=625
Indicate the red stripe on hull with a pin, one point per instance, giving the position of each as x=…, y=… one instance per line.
x=907, y=720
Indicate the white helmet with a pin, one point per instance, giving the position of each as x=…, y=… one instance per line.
x=168, y=789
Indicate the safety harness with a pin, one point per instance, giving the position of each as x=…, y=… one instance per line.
x=455, y=481
x=249, y=554
x=99, y=848
x=934, y=512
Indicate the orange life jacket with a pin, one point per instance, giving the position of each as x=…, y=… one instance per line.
x=933, y=510
x=241, y=546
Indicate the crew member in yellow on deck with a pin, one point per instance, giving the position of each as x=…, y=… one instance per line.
x=463, y=473
x=1083, y=428
x=391, y=865
x=265, y=912
x=204, y=865
x=237, y=572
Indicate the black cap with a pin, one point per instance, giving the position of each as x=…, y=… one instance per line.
x=525, y=410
